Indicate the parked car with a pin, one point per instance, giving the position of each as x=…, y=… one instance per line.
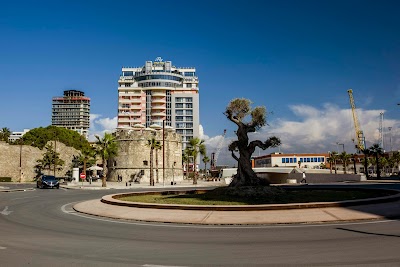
x=47, y=181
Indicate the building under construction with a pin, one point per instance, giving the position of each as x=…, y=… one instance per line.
x=72, y=111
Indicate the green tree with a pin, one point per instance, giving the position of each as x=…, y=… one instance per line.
x=236, y=111
x=344, y=158
x=185, y=160
x=333, y=159
x=87, y=155
x=38, y=137
x=5, y=134
x=205, y=161
x=51, y=160
x=152, y=144
x=384, y=163
x=106, y=148
x=366, y=152
x=195, y=147
x=376, y=151
x=396, y=159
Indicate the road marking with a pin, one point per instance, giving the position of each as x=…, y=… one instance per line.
x=2, y=247
x=153, y=265
x=6, y=211
x=63, y=208
x=23, y=197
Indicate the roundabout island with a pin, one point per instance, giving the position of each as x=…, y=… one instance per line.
x=376, y=208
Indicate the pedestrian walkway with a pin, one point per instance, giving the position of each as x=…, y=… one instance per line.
x=292, y=216
x=124, y=185
x=316, y=213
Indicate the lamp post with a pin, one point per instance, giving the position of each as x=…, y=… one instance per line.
x=20, y=160
x=163, y=153
x=337, y=143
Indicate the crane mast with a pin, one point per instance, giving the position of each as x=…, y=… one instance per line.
x=359, y=133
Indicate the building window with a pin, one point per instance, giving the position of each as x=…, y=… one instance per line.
x=145, y=162
x=188, y=85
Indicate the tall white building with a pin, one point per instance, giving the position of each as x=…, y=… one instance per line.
x=157, y=92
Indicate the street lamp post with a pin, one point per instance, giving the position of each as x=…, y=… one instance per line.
x=20, y=160
x=338, y=144
x=163, y=152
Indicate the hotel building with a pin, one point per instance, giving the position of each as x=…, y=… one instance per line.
x=72, y=111
x=160, y=92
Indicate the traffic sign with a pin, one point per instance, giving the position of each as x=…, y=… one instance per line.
x=83, y=176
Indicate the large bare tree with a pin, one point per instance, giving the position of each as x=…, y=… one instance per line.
x=237, y=110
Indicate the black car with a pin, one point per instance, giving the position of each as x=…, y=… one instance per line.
x=47, y=181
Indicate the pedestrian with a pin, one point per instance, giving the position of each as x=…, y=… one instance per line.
x=304, y=178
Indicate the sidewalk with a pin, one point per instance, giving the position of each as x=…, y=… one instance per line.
x=316, y=214
x=122, y=185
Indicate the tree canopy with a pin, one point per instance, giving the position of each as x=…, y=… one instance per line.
x=38, y=137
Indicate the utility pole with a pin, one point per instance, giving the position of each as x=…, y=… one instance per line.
x=163, y=152
x=390, y=138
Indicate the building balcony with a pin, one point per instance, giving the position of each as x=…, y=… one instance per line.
x=158, y=100
x=158, y=93
x=158, y=113
x=158, y=107
x=135, y=107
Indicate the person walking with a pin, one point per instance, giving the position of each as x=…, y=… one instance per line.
x=304, y=178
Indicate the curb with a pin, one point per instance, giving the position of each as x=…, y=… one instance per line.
x=113, y=200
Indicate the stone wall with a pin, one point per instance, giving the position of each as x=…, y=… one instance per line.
x=10, y=156
x=133, y=159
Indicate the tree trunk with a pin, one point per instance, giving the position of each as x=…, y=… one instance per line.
x=378, y=171
x=103, y=178
x=151, y=168
x=245, y=175
x=157, y=181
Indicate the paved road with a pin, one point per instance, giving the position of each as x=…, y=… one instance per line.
x=39, y=228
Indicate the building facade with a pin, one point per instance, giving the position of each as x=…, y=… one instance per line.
x=310, y=160
x=72, y=111
x=133, y=162
x=14, y=136
x=160, y=92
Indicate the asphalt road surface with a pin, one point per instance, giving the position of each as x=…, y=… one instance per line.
x=39, y=228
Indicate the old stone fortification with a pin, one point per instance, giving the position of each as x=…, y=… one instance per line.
x=10, y=156
x=133, y=159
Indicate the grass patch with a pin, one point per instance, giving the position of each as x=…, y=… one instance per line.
x=256, y=196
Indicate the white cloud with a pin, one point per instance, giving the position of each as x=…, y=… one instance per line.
x=99, y=125
x=315, y=130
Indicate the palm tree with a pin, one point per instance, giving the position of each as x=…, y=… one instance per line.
x=333, y=158
x=5, y=134
x=366, y=160
x=185, y=160
x=152, y=144
x=196, y=147
x=87, y=154
x=157, y=147
x=396, y=159
x=376, y=150
x=205, y=161
x=344, y=157
x=106, y=148
x=384, y=162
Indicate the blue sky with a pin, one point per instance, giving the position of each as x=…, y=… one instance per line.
x=297, y=58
